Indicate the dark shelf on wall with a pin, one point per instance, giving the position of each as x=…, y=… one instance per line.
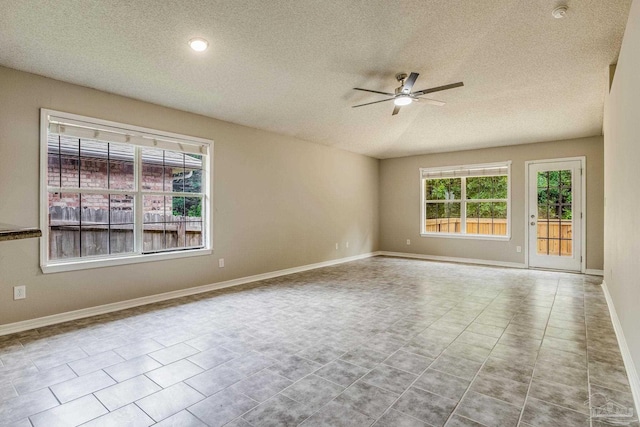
x=14, y=232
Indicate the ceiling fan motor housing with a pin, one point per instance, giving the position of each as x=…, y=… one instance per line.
x=400, y=77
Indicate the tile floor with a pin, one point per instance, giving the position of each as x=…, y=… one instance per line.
x=383, y=341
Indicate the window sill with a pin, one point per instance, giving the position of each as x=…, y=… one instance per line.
x=85, y=264
x=466, y=236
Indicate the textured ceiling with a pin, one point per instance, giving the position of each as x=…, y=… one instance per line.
x=289, y=66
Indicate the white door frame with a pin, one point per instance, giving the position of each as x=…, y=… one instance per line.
x=583, y=207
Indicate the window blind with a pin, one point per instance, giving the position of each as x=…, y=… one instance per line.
x=88, y=130
x=462, y=171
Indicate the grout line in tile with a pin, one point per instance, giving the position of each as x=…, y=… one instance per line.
x=533, y=371
x=586, y=333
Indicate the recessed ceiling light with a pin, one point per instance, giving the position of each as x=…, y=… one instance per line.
x=198, y=44
x=403, y=100
x=559, y=12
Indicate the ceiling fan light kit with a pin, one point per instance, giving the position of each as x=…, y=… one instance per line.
x=403, y=95
x=402, y=100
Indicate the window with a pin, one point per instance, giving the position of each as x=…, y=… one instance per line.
x=116, y=194
x=466, y=201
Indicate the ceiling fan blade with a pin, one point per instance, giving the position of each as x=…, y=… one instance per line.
x=438, y=89
x=396, y=109
x=432, y=101
x=408, y=84
x=374, y=91
x=374, y=102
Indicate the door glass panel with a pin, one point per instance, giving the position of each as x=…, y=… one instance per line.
x=543, y=246
x=565, y=214
x=542, y=211
x=565, y=195
x=554, y=223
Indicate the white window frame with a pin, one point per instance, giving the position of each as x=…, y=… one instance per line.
x=463, y=202
x=158, y=138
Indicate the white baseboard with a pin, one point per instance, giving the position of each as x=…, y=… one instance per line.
x=594, y=272
x=454, y=259
x=632, y=373
x=40, y=322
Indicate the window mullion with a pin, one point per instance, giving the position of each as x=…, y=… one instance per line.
x=172, y=194
x=87, y=190
x=138, y=207
x=463, y=205
x=487, y=200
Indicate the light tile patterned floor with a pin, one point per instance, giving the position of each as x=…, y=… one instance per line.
x=384, y=341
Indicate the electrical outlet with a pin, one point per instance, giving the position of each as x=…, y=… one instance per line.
x=221, y=263
x=347, y=245
x=408, y=241
x=518, y=249
x=337, y=246
x=19, y=292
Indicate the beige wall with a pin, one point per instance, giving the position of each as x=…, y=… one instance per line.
x=622, y=175
x=400, y=200
x=279, y=202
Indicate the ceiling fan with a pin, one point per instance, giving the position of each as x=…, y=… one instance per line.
x=404, y=96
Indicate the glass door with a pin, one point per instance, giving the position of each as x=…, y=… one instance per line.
x=554, y=220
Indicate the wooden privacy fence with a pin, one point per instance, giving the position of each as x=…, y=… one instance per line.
x=474, y=226
x=96, y=236
x=558, y=241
